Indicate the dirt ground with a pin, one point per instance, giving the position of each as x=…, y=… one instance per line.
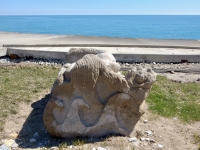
x=171, y=133
x=152, y=131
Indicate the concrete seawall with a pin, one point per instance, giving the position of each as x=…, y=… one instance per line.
x=123, y=54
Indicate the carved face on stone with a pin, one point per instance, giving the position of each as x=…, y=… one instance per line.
x=140, y=77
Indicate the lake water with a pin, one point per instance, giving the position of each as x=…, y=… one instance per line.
x=125, y=26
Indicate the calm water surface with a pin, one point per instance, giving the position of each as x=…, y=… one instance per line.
x=137, y=26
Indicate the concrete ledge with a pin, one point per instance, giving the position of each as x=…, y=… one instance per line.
x=123, y=57
x=100, y=45
x=37, y=54
x=3, y=51
x=159, y=58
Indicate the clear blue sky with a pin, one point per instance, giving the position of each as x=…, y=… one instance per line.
x=101, y=7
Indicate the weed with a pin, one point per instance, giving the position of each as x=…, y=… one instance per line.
x=62, y=145
x=78, y=142
x=196, y=138
x=139, y=133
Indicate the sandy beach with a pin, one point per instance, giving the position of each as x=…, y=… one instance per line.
x=7, y=38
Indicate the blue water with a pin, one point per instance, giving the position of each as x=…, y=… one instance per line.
x=136, y=26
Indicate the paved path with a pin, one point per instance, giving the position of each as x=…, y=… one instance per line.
x=124, y=49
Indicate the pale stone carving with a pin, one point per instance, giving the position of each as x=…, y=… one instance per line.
x=91, y=98
x=75, y=54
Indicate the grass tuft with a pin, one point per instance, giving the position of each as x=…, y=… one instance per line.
x=78, y=142
x=196, y=138
x=62, y=146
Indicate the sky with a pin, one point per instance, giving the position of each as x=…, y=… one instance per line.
x=99, y=7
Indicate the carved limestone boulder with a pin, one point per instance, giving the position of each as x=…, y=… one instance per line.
x=91, y=98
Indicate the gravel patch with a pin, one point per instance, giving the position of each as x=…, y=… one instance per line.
x=46, y=62
x=51, y=62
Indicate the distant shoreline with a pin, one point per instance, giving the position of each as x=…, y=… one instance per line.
x=15, y=39
x=86, y=36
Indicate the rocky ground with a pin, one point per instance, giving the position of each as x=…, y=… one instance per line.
x=157, y=67
x=178, y=72
x=151, y=132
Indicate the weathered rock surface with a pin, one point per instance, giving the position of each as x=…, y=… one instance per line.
x=91, y=98
x=75, y=54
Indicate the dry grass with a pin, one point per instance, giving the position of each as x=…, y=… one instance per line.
x=20, y=84
x=196, y=138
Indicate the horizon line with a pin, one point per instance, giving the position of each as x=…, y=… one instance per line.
x=99, y=14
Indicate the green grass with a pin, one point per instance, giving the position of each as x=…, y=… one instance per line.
x=21, y=85
x=171, y=99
